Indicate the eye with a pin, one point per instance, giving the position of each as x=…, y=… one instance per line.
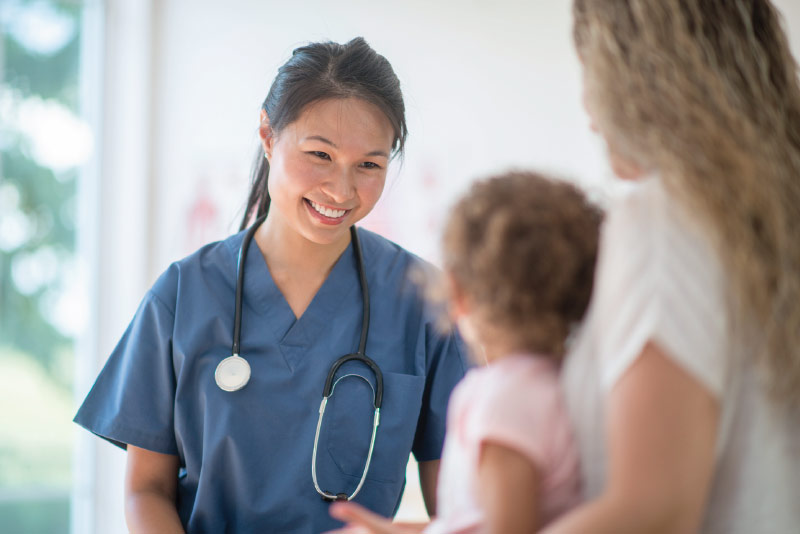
x=320, y=154
x=370, y=165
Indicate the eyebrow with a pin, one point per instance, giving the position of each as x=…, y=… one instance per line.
x=331, y=143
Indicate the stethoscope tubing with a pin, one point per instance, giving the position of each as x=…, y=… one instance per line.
x=378, y=398
x=242, y=259
x=362, y=277
x=329, y=380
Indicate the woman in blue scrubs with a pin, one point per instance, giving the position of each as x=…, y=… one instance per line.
x=204, y=456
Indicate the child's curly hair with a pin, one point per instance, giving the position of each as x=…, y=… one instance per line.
x=522, y=249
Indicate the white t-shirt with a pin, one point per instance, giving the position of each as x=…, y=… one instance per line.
x=659, y=278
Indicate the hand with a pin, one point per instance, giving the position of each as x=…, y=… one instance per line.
x=361, y=521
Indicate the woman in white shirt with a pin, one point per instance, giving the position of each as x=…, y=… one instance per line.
x=684, y=385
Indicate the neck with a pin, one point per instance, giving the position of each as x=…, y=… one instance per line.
x=498, y=351
x=494, y=343
x=286, y=251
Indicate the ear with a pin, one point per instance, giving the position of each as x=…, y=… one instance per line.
x=266, y=134
x=459, y=303
x=461, y=308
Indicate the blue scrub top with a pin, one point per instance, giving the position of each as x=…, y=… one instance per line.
x=245, y=456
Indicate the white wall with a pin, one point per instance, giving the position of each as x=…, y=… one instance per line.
x=488, y=86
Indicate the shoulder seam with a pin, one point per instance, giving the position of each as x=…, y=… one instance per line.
x=161, y=301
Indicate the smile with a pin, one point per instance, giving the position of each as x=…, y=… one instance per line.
x=327, y=212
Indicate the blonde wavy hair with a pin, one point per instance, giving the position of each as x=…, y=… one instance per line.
x=705, y=92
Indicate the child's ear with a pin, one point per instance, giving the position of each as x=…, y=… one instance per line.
x=461, y=315
x=459, y=305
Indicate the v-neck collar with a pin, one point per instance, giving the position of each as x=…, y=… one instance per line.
x=262, y=297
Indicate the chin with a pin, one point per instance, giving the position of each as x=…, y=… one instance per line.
x=329, y=237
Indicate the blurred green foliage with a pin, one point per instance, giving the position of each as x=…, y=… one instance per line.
x=52, y=76
x=37, y=209
x=46, y=198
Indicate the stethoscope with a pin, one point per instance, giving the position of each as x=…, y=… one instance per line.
x=233, y=372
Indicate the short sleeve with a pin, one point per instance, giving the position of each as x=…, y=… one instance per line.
x=659, y=279
x=132, y=399
x=522, y=411
x=446, y=365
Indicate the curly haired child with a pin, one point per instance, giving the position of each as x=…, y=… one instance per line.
x=519, y=252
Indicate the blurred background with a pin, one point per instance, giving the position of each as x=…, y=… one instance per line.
x=127, y=131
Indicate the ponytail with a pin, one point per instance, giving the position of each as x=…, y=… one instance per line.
x=258, y=199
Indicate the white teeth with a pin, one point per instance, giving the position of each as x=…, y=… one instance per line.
x=327, y=212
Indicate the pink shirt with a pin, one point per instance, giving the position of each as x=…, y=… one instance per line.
x=515, y=401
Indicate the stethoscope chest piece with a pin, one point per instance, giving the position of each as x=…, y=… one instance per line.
x=232, y=373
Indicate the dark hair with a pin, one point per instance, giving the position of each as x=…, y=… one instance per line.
x=320, y=71
x=523, y=248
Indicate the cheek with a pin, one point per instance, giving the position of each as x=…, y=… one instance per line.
x=592, y=124
x=293, y=176
x=624, y=168
x=370, y=189
x=587, y=106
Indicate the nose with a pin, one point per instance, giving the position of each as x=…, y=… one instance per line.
x=340, y=186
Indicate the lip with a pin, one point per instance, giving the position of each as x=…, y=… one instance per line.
x=330, y=221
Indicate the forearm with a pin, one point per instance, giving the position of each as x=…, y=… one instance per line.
x=662, y=427
x=603, y=516
x=411, y=527
x=428, y=479
x=151, y=512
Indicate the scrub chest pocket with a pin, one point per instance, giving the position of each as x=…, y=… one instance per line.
x=347, y=427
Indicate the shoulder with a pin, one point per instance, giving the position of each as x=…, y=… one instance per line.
x=391, y=269
x=659, y=278
x=633, y=219
x=207, y=268
x=523, y=382
x=652, y=241
x=387, y=257
x=519, y=404
x=651, y=221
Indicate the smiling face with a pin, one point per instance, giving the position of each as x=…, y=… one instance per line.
x=327, y=168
